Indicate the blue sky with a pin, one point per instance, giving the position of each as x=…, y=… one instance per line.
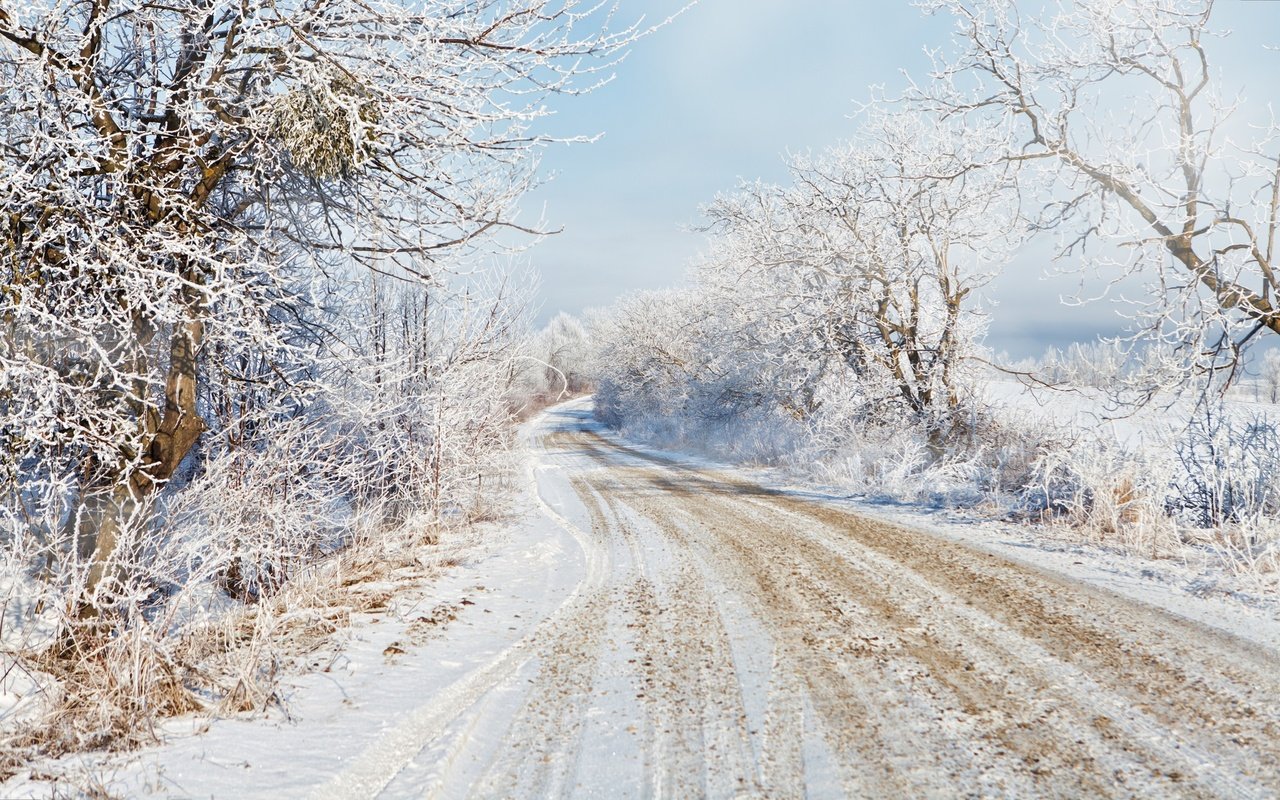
x=723, y=94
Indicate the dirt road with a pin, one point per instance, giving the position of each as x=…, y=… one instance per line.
x=729, y=641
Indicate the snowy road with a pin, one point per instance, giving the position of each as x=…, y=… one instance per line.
x=725, y=640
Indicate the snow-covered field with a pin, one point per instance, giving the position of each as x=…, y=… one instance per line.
x=1089, y=410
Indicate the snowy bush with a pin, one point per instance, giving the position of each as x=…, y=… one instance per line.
x=1113, y=496
x=1228, y=470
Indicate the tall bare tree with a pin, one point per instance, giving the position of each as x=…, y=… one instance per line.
x=1116, y=108
x=873, y=254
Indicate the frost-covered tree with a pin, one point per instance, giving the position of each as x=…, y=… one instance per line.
x=842, y=297
x=646, y=355
x=870, y=257
x=1270, y=377
x=1121, y=124
x=679, y=367
x=186, y=188
x=564, y=348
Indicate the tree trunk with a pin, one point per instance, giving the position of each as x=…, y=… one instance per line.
x=123, y=498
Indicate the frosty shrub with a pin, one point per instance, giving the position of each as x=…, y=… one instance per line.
x=880, y=461
x=991, y=456
x=1113, y=496
x=1228, y=470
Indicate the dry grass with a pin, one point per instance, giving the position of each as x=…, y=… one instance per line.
x=110, y=682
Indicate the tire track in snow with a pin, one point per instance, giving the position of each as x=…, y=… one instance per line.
x=1087, y=705
x=1159, y=699
x=920, y=679
x=861, y=773
x=768, y=761
x=538, y=755
x=379, y=763
x=690, y=687
x=1218, y=696
x=863, y=738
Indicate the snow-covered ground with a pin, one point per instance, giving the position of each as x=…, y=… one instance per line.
x=1090, y=410
x=603, y=646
